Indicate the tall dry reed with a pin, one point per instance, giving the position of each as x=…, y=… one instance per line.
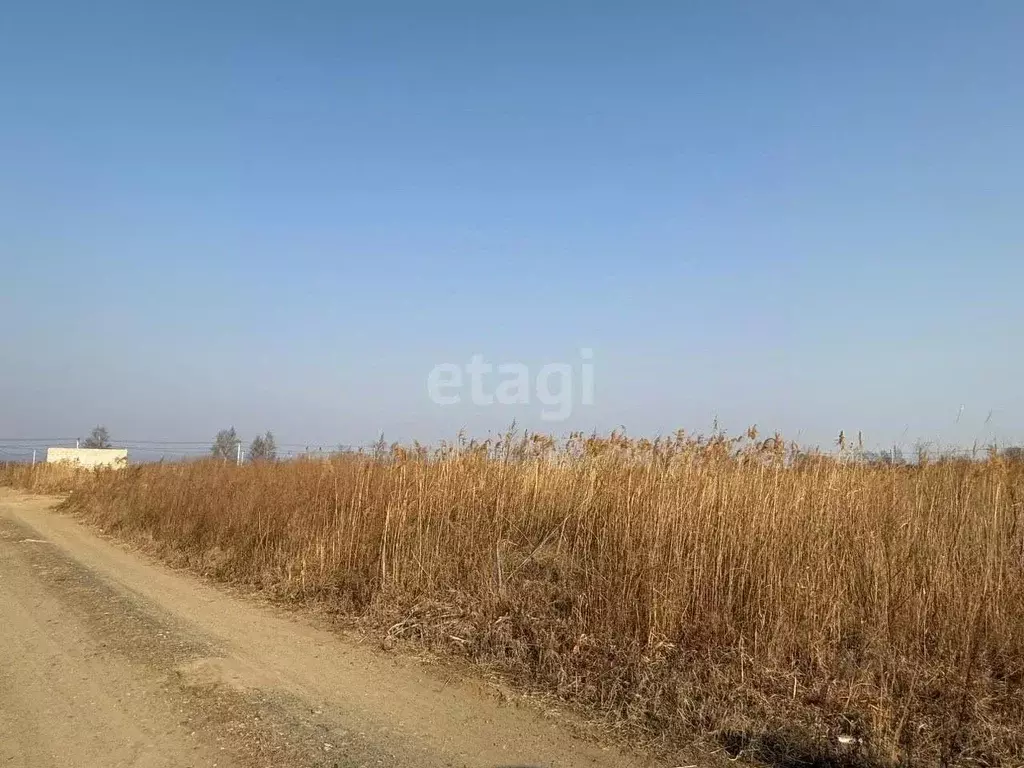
x=791, y=607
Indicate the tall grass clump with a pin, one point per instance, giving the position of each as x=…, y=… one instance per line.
x=41, y=478
x=797, y=609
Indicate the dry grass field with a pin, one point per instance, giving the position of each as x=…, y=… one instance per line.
x=792, y=608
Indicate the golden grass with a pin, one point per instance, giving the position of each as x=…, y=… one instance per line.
x=730, y=591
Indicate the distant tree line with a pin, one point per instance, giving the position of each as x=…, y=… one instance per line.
x=894, y=457
x=891, y=458
x=264, y=448
x=226, y=446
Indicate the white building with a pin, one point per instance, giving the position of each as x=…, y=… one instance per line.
x=88, y=458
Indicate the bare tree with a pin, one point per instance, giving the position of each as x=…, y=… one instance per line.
x=99, y=438
x=263, y=448
x=225, y=444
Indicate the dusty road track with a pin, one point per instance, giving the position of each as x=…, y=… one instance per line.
x=109, y=659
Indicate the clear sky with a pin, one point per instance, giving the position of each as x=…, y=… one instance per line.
x=804, y=215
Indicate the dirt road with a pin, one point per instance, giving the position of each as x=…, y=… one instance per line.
x=110, y=659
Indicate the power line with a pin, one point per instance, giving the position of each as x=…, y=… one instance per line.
x=37, y=439
x=310, y=445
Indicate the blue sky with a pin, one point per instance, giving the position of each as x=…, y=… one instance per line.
x=282, y=216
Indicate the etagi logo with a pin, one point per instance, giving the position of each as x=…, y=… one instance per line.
x=554, y=385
